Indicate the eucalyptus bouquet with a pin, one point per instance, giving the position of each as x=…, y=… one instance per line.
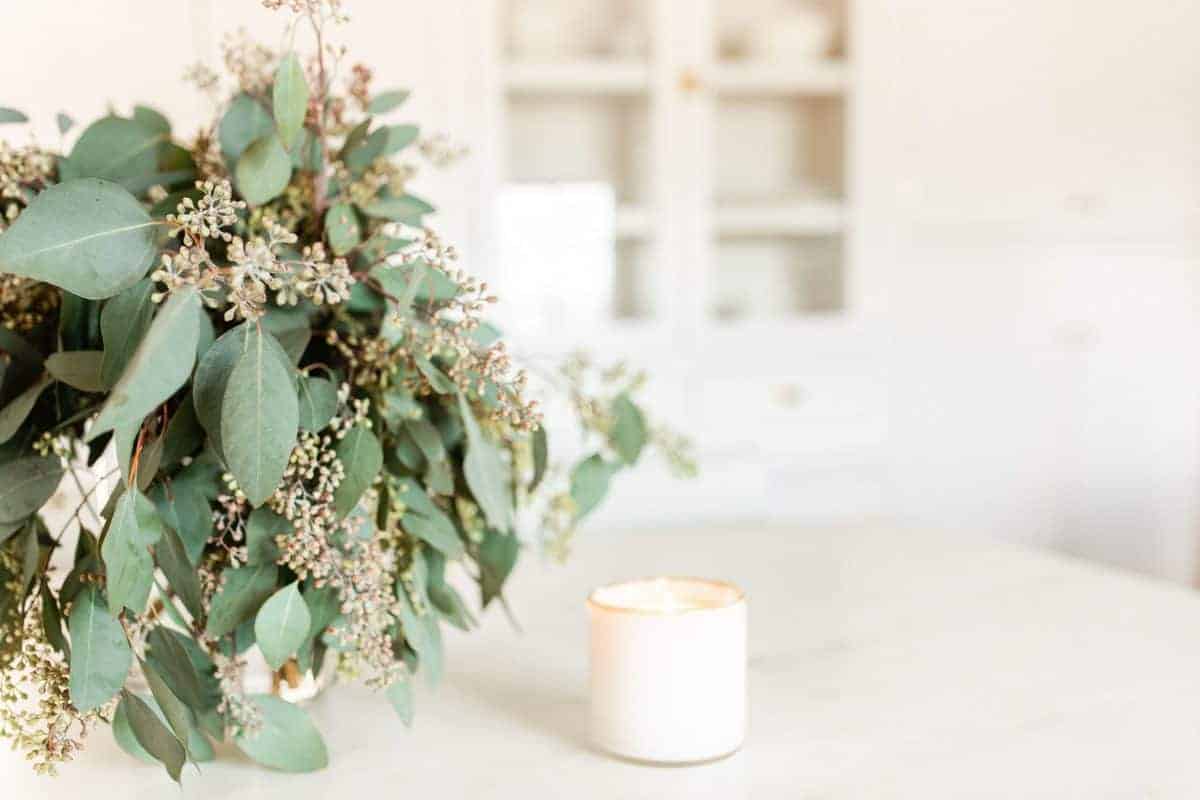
x=312, y=431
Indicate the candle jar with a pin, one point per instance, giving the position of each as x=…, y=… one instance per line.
x=668, y=669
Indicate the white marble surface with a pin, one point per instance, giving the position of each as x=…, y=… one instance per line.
x=883, y=663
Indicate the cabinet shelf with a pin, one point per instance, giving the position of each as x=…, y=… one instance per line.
x=577, y=77
x=815, y=218
x=816, y=78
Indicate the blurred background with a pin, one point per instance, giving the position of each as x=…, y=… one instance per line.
x=927, y=262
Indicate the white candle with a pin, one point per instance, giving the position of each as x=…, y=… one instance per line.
x=668, y=669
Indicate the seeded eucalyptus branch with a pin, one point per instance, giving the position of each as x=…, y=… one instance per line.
x=313, y=433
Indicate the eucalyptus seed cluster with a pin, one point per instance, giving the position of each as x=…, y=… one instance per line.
x=23, y=171
x=25, y=303
x=35, y=700
x=255, y=267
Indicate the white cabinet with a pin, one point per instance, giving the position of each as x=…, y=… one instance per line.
x=720, y=133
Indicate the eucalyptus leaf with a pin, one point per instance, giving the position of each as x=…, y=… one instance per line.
x=342, y=228
x=183, y=435
x=317, y=401
x=133, y=529
x=485, y=472
x=153, y=734
x=541, y=457
x=15, y=413
x=26, y=484
x=88, y=236
x=264, y=170
x=240, y=596
x=629, y=433
x=172, y=558
x=589, y=483
x=169, y=657
x=362, y=458
x=259, y=418
x=124, y=321
x=244, y=122
x=79, y=369
x=282, y=625
x=400, y=695
x=11, y=115
x=64, y=122
x=290, y=95
x=497, y=556
x=387, y=101
x=100, y=653
x=151, y=119
x=263, y=526
x=160, y=365
x=179, y=717
x=124, y=151
x=405, y=208
x=287, y=741
x=52, y=622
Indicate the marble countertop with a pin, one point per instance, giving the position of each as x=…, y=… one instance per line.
x=883, y=663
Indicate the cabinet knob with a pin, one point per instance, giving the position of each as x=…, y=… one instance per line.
x=689, y=81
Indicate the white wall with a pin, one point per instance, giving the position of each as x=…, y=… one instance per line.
x=1028, y=173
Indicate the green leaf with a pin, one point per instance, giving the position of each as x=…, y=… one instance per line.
x=362, y=458
x=64, y=122
x=243, y=123
x=169, y=656
x=541, y=457
x=124, y=151
x=425, y=520
x=263, y=171
x=290, y=97
x=400, y=695
x=26, y=484
x=589, y=484
x=172, y=558
x=151, y=119
x=406, y=208
x=100, y=653
x=318, y=402
x=262, y=527
x=485, y=472
x=184, y=435
x=497, y=556
x=160, y=365
x=437, y=379
x=341, y=227
x=282, y=625
x=399, y=137
x=259, y=418
x=288, y=740
x=15, y=413
x=11, y=115
x=52, y=622
x=177, y=714
x=133, y=529
x=79, y=369
x=387, y=101
x=629, y=434
x=123, y=323
x=89, y=236
x=439, y=475
x=198, y=747
x=238, y=599
x=152, y=734
x=424, y=636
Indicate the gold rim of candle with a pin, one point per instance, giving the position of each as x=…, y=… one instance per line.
x=739, y=597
